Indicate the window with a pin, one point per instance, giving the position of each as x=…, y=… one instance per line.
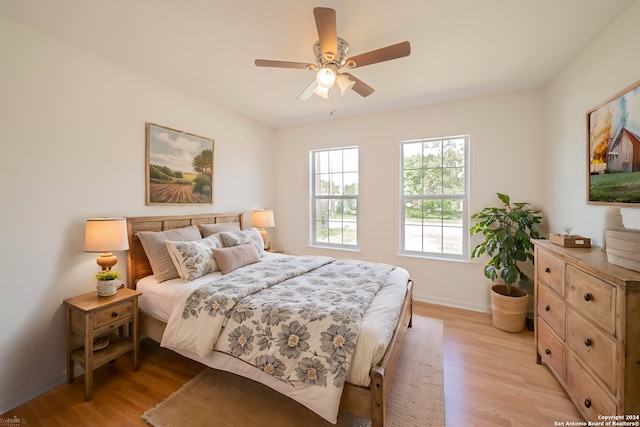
x=334, y=194
x=434, y=197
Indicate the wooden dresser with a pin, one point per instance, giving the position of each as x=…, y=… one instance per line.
x=587, y=328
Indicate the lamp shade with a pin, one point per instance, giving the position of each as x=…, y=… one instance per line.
x=322, y=91
x=106, y=235
x=262, y=218
x=344, y=83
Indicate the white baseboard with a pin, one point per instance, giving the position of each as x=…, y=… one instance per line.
x=454, y=304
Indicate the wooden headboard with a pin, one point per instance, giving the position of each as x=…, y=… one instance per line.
x=138, y=264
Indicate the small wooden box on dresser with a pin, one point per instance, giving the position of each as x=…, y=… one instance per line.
x=587, y=328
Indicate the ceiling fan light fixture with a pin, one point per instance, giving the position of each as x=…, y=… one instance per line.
x=326, y=77
x=344, y=83
x=322, y=91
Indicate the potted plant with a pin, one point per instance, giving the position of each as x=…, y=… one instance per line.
x=107, y=282
x=507, y=232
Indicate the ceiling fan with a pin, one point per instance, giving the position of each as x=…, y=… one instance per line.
x=332, y=61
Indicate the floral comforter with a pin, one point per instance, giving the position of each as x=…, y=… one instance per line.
x=296, y=319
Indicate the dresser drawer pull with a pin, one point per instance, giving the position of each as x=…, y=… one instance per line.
x=547, y=351
x=547, y=308
x=114, y=314
x=588, y=342
x=587, y=402
x=547, y=270
x=588, y=297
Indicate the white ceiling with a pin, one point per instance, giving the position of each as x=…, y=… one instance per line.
x=460, y=48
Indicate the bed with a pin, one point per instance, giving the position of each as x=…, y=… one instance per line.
x=368, y=401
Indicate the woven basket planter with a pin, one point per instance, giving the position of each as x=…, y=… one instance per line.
x=509, y=312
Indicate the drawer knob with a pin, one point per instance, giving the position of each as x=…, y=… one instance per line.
x=547, y=351
x=547, y=270
x=114, y=314
x=587, y=296
x=588, y=342
x=587, y=402
x=547, y=308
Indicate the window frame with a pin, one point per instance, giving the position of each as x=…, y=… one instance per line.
x=463, y=198
x=313, y=198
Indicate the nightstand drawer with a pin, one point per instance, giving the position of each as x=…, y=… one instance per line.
x=551, y=308
x=113, y=314
x=592, y=297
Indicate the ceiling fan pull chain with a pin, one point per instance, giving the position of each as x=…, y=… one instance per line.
x=332, y=100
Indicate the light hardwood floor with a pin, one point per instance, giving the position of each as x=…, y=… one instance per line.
x=491, y=379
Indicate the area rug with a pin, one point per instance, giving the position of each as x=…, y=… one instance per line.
x=216, y=398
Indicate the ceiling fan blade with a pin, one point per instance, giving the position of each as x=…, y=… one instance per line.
x=327, y=33
x=308, y=91
x=399, y=50
x=284, y=64
x=360, y=87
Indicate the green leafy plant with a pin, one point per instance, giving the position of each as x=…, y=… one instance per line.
x=107, y=275
x=507, y=232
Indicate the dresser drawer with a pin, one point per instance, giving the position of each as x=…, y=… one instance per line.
x=590, y=398
x=594, y=347
x=112, y=314
x=551, y=308
x=550, y=271
x=550, y=349
x=592, y=297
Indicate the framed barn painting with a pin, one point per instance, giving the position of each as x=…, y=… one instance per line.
x=179, y=167
x=614, y=149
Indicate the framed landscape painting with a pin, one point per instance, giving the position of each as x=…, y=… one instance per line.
x=614, y=149
x=179, y=167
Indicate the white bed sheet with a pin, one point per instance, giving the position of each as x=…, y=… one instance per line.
x=375, y=332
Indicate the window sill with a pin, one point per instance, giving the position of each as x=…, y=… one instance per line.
x=433, y=257
x=335, y=248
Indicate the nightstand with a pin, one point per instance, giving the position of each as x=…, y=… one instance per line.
x=90, y=316
x=274, y=251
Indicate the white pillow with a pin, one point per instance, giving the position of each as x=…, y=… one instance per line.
x=194, y=259
x=250, y=235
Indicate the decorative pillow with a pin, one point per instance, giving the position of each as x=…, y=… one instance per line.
x=194, y=259
x=230, y=259
x=209, y=229
x=250, y=235
x=157, y=253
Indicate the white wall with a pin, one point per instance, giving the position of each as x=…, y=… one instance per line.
x=506, y=137
x=72, y=146
x=610, y=64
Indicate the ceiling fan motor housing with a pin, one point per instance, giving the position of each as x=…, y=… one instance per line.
x=338, y=59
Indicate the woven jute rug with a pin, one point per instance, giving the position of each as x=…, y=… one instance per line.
x=216, y=398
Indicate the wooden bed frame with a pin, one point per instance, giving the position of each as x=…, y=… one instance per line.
x=367, y=402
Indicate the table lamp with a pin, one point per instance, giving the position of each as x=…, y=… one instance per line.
x=105, y=235
x=260, y=219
